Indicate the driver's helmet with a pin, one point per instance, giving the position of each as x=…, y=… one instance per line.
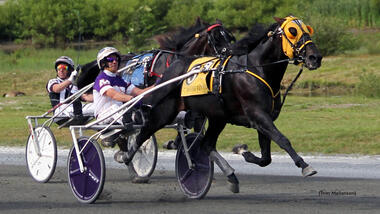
x=64, y=59
x=103, y=53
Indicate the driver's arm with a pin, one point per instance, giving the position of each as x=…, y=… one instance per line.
x=137, y=91
x=115, y=95
x=56, y=88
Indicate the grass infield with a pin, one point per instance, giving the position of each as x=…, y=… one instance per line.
x=328, y=125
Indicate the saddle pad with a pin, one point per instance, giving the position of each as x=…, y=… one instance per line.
x=136, y=74
x=196, y=84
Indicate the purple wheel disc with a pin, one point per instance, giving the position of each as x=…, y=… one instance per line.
x=195, y=182
x=87, y=185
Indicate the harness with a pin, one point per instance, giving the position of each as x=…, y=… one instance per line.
x=274, y=95
x=148, y=67
x=297, y=44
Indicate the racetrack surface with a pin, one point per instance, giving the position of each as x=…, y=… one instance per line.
x=259, y=192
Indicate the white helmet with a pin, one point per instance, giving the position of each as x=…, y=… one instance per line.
x=64, y=59
x=103, y=53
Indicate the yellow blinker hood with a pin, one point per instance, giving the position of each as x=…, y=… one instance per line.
x=289, y=44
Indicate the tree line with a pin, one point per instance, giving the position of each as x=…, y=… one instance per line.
x=55, y=23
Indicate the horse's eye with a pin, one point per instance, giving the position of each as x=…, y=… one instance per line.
x=293, y=31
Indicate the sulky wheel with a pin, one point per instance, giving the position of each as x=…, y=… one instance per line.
x=86, y=186
x=194, y=181
x=41, y=158
x=144, y=162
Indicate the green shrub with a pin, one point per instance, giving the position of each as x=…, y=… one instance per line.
x=374, y=48
x=369, y=85
x=244, y=13
x=331, y=36
x=55, y=23
x=146, y=22
x=183, y=13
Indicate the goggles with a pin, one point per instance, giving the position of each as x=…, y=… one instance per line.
x=63, y=67
x=111, y=59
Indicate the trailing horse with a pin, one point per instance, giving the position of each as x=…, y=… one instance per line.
x=249, y=94
x=199, y=39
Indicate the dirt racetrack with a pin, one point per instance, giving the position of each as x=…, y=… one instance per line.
x=19, y=193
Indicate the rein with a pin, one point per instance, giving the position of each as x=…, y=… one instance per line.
x=265, y=82
x=291, y=85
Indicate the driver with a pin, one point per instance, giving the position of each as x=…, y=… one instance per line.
x=62, y=87
x=111, y=91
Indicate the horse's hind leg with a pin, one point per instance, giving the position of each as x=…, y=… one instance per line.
x=265, y=125
x=209, y=142
x=265, y=159
x=227, y=170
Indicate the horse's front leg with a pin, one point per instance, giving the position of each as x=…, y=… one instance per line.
x=209, y=142
x=264, y=124
x=265, y=159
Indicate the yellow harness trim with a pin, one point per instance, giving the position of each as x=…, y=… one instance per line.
x=212, y=78
x=267, y=84
x=303, y=45
x=262, y=80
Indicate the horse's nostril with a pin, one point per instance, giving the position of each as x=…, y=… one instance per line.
x=319, y=60
x=312, y=58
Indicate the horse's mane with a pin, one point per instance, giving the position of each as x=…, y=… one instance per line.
x=257, y=34
x=176, y=40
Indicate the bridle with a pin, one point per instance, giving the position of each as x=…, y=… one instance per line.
x=296, y=43
x=295, y=56
x=227, y=36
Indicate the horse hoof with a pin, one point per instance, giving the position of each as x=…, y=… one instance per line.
x=170, y=145
x=233, y=187
x=140, y=180
x=118, y=156
x=233, y=183
x=239, y=148
x=308, y=171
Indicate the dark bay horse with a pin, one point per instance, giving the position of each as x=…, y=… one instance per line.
x=199, y=39
x=250, y=94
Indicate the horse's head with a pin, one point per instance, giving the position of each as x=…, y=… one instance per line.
x=219, y=39
x=297, y=43
x=199, y=39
